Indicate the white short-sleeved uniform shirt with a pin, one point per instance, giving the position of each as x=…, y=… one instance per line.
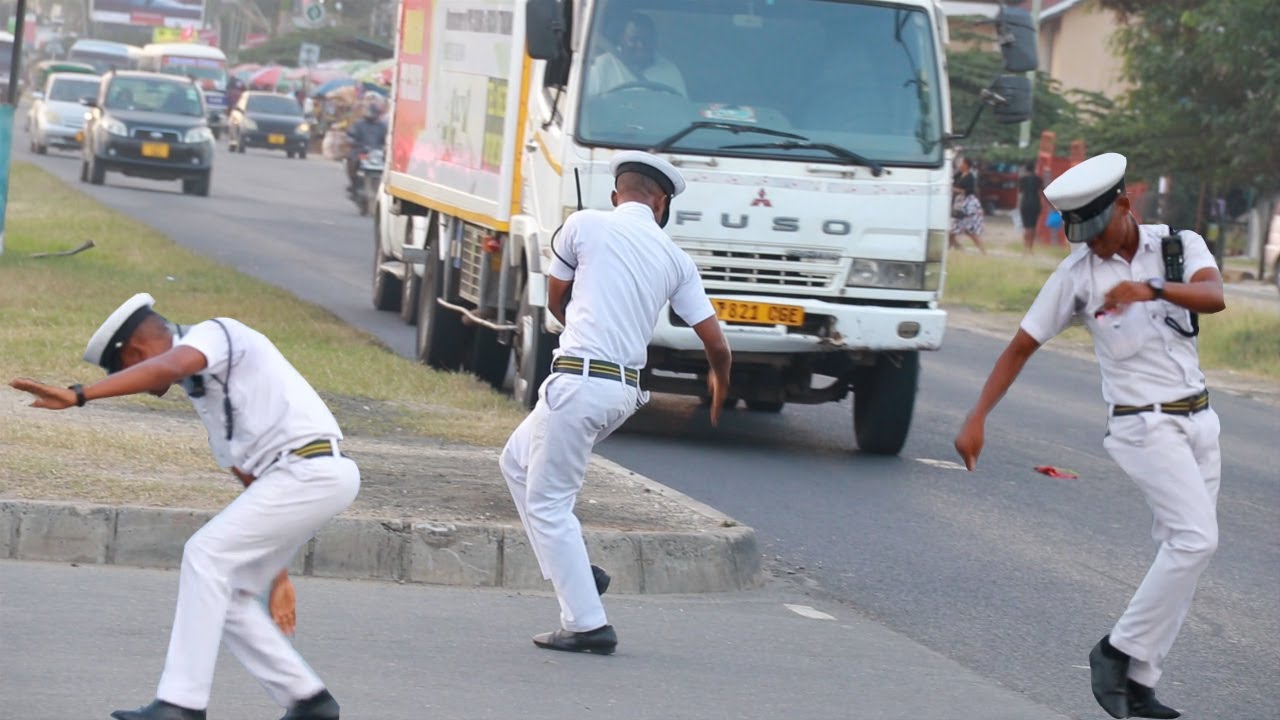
x=275, y=408
x=1141, y=358
x=624, y=269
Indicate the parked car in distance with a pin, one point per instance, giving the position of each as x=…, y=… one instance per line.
x=56, y=117
x=148, y=125
x=268, y=120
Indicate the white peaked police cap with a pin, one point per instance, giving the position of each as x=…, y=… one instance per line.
x=1086, y=195
x=104, y=347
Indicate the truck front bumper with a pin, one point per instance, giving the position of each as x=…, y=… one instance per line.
x=827, y=327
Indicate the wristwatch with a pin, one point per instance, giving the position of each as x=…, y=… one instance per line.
x=1157, y=287
x=78, y=389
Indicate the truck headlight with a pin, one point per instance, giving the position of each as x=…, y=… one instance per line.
x=302, y=129
x=935, y=253
x=198, y=135
x=891, y=274
x=115, y=127
x=52, y=116
x=248, y=124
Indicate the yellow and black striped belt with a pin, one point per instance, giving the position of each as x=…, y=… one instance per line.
x=319, y=448
x=1185, y=406
x=596, y=369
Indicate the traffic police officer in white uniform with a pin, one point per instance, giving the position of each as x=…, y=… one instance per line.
x=273, y=431
x=623, y=270
x=1161, y=430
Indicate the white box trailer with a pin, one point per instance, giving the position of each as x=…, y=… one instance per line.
x=813, y=138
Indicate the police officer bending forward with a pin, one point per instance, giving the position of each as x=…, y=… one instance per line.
x=1161, y=430
x=623, y=270
x=273, y=431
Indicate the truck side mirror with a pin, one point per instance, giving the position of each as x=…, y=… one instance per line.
x=546, y=33
x=1016, y=33
x=1011, y=98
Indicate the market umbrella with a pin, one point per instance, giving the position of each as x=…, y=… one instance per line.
x=336, y=83
x=267, y=77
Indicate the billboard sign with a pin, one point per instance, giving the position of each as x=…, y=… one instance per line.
x=156, y=13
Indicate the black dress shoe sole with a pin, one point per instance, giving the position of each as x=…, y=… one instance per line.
x=593, y=649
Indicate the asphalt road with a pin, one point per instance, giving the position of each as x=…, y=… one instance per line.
x=1009, y=572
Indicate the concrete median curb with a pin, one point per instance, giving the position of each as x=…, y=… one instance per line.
x=401, y=550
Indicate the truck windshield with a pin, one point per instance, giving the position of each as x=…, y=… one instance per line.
x=197, y=68
x=102, y=62
x=859, y=76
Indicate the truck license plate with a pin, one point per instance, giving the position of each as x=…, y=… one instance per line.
x=155, y=150
x=275, y=139
x=756, y=313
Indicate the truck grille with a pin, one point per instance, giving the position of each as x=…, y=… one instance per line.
x=751, y=269
x=471, y=264
x=148, y=133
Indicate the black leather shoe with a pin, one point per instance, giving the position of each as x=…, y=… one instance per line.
x=1109, y=674
x=602, y=578
x=1143, y=703
x=320, y=706
x=159, y=710
x=602, y=641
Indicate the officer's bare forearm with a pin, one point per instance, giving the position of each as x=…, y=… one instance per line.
x=160, y=371
x=1007, y=368
x=1202, y=295
x=719, y=357
x=558, y=297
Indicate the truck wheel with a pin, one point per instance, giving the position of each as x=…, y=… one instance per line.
x=440, y=341
x=766, y=406
x=386, y=287
x=490, y=358
x=884, y=397
x=410, y=288
x=533, y=347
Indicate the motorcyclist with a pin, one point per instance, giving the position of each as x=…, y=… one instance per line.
x=367, y=133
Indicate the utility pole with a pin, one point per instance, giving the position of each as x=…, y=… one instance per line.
x=7, y=110
x=1024, y=130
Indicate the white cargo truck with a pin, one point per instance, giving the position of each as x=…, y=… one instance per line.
x=814, y=138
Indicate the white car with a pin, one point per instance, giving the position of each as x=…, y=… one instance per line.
x=56, y=118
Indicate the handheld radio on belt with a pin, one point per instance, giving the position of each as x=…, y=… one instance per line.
x=1171, y=249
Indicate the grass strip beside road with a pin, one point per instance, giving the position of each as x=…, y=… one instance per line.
x=1241, y=338
x=50, y=306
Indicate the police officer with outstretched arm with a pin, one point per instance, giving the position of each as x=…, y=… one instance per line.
x=270, y=428
x=622, y=270
x=1138, y=290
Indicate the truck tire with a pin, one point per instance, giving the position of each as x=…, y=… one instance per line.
x=489, y=358
x=884, y=397
x=196, y=186
x=387, y=287
x=410, y=288
x=765, y=406
x=440, y=341
x=533, y=352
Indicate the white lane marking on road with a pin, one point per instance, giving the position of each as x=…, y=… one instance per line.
x=806, y=611
x=944, y=464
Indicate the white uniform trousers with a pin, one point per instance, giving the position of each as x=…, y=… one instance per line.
x=544, y=463
x=231, y=561
x=1176, y=462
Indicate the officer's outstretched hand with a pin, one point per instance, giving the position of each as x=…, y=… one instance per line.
x=47, y=396
x=969, y=442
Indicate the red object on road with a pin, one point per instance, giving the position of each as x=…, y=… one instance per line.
x=1054, y=472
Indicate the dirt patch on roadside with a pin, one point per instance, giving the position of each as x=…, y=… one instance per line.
x=155, y=453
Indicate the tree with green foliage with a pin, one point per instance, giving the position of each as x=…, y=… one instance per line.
x=1206, y=95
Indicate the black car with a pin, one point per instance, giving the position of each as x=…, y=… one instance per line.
x=148, y=125
x=268, y=120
